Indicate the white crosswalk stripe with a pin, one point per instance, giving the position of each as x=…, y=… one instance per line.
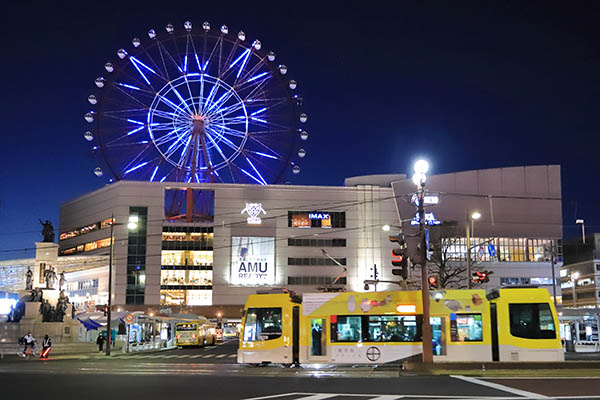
x=208, y=356
x=196, y=356
x=221, y=356
x=183, y=356
x=232, y=355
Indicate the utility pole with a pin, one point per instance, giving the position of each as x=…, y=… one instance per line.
x=419, y=178
x=426, y=326
x=469, y=277
x=553, y=273
x=108, y=312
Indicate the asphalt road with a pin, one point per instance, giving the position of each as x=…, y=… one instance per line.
x=212, y=372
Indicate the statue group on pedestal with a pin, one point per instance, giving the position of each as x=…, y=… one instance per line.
x=55, y=314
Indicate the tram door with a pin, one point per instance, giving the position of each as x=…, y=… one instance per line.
x=494, y=328
x=438, y=336
x=318, y=337
x=296, y=334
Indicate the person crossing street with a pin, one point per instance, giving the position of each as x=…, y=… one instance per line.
x=46, y=347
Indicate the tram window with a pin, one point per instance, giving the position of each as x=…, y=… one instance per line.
x=348, y=329
x=531, y=321
x=262, y=324
x=466, y=328
x=393, y=328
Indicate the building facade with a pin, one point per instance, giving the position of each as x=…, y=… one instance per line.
x=200, y=245
x=580, y=274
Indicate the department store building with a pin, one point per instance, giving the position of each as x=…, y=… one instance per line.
x=206, y=247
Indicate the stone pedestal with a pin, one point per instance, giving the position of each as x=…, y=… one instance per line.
x=46, y=256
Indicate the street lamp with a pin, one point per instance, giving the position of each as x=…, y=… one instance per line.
x=421, y=167
x=386, y=228
x=131, y=225
x=574, y=277
x=474, y=216
x=580, y=222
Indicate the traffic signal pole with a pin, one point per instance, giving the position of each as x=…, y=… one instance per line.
x=426, y=325
x=469, y=276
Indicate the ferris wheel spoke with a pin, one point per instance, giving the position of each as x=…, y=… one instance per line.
x=232, y=108
x=218, y=148
x=135, y=162
x=231, y=131
x=264, y=145
x=173, y=135
x=258, y=153
x=256, y=170
x=221, y=100
x=174, y=106
x=250, y=73
x=228, y=142
x=187, y=84
x=184, y=153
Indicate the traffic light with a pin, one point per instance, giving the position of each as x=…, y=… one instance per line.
x=433, y=282
x=400, y=256
x=106, y=310
x=481, y=276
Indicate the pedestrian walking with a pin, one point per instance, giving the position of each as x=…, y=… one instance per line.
x=46, y=347
x=100, y=342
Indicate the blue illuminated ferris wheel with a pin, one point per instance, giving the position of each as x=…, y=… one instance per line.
x=196, y=106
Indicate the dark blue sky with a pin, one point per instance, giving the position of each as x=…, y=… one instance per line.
x=467, y=84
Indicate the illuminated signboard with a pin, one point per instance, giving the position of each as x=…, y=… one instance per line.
x=253, y=210
x=429, y=199
x=252, y=261
x=429, y=219
x=318, y=215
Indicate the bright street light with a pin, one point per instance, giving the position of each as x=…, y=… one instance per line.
x=419, y=178
x=421, y=167
x=476, y=215
x=386, y=228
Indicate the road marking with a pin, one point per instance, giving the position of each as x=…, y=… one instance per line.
x=196, y=356
x=183, y=356
x=221, y=356
x=173, y=356
x=497, y=386
x=232, y=355
x=208, y=356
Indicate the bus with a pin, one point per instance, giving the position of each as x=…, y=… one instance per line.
x=195, y=333
x=379, y=327
x=230, y=330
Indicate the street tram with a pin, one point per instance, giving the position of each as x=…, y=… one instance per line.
x=517, y=324
x=195, y=333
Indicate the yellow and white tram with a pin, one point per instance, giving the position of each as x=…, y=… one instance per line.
x=378, y=327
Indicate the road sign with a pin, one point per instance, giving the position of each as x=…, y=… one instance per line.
x=129, y=318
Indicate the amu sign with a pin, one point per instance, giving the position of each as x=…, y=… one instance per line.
x=252, y=261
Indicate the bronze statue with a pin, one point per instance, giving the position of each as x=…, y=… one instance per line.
x=50, y=278
x=47, y=231
x=28, y=279
x=61, y=281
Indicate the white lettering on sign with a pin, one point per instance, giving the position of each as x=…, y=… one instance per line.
x=252, y=261
x=429, y=219
x=318, y=215
x=253, y=210
x=429, y=200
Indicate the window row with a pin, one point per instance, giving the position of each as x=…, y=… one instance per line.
x=508, y=281
x=315, y=280
x=170, y=297
x=314, y=261
x=89, y=246
x=105, y=223
x=317, y=242
x=184, y=277
x=186, y=257
x=316, y=219
x=500, y=249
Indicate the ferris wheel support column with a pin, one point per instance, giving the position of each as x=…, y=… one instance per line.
x=199, y=137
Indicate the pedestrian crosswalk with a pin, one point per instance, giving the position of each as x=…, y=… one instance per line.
x=173, y=356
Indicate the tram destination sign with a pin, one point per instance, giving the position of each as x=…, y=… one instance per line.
x=252, y=261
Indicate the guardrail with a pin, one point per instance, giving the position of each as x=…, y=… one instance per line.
x=9, y=348
x=587, y=346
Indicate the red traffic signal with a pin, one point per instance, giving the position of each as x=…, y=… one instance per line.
x=433, y=281
x=481, y=276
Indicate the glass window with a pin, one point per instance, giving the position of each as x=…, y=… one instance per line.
x=348, y=329
x=262, y=324
x=531, y=321
x=392, y=328
x=466, y=328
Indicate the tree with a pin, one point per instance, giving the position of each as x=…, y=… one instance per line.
x=445, y=263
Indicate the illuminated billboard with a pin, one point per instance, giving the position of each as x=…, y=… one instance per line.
x=252, y=261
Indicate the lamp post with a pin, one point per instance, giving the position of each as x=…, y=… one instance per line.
x=419, y=178
x=580, y=222
x=470, y=218
x=574, y=277
x=131, y=225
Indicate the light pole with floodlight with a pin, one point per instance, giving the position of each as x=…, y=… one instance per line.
x=470, y=219
x=131, y=225
x=419, y=178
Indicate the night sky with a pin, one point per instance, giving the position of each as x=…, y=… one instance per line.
x=467, y=84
